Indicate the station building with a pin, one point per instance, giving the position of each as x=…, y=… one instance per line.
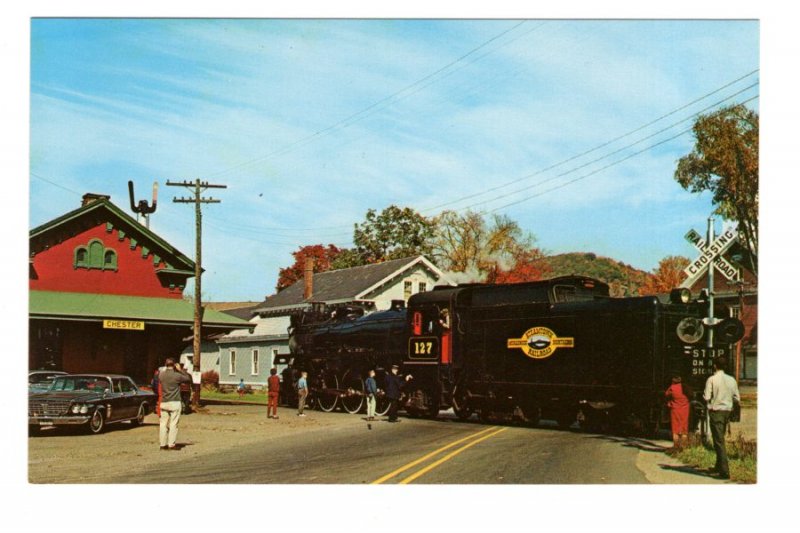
x=106, y=295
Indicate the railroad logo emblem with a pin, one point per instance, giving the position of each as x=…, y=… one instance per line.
x=540, y=342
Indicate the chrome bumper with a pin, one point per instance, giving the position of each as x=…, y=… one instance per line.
x=56, y=420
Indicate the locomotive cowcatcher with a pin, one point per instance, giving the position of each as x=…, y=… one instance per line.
x=559, y=349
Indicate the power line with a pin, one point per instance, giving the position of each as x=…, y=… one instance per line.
x=600, y=146
x=357, y=116
x=560, y=163
x=609, y=154
x=570, y=182
x=35, y=175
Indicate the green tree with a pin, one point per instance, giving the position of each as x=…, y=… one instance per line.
x=392, y=234
x=724, y=161
x=348, y=258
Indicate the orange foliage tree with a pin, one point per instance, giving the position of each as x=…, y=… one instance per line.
x=528, y=266
x=668, y=275
x=323, y=257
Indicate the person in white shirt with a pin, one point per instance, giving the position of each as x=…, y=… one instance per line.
x=720, y=394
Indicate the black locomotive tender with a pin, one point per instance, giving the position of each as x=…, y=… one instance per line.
x=559, y=349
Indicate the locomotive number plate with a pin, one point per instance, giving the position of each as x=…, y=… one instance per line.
x=423, y=348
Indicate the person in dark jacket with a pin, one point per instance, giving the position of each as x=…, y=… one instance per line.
x=288, y=385
x=186, y=391
x=371, y=389
x=156, y=386
x=273, y=391
x=394, y=386
x=170, y=380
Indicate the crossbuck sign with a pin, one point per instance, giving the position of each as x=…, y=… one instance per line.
x=710, y=256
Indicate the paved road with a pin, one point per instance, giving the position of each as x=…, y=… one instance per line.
x=413, y=451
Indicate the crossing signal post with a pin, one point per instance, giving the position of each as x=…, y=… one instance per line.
x=197, y=187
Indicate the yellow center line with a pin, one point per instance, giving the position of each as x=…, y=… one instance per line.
x=449, y=456
x=412, y=464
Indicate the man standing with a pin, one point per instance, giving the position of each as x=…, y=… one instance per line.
x=720, y=394
x=273, y=391
x=170, y=380
x=302, y=392
x=393, y=386
x=186, y=391
x=288, y=384
x=371, y=388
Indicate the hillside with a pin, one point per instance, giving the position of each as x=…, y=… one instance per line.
x=623, y=279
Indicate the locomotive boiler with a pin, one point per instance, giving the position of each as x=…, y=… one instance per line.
x=560, y=349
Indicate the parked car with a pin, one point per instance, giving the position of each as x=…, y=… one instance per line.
x=40, y=380
x=93, y=400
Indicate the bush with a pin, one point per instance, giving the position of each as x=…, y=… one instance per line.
x=210, y=379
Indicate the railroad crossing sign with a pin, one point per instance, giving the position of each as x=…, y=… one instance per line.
x=710, y=256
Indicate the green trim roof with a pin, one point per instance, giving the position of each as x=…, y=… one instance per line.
x=156, y=311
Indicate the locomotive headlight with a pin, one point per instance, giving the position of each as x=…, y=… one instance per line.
x=690, y=330
x=680, y=296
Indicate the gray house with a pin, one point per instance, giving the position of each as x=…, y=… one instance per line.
x=249, y=355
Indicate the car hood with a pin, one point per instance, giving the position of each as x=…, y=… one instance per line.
x=82, y=395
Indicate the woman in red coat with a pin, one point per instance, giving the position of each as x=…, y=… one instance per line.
x=678, y=398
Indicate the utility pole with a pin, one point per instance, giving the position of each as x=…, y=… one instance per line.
x=709, y=240
x=199, y=187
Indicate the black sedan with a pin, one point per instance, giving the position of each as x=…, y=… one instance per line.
x=91, y=399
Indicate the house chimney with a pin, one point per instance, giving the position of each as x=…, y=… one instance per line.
x=90, y=197
x=308, y=278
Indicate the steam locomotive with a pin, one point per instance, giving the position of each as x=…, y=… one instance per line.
x=560, y=349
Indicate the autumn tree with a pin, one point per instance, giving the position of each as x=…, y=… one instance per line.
x=528, y=266
x=467, y=242
x=724, y=161
x=392, y=234
x=668, y=275
x=324, y=257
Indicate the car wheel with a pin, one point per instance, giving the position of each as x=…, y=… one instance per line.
x=98, y=422
x=139, y=420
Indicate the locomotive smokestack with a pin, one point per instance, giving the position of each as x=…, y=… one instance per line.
x=308, y=278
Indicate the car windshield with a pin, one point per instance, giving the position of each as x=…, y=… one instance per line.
x=41, y=378
x=87, y=383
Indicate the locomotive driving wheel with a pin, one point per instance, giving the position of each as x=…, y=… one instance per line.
x=461, y=406
x=531, y=415
x=382, y=405
x=326, y=400
x=566, y=418
x=354, y=400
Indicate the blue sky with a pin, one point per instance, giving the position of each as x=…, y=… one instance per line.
x=312, y=122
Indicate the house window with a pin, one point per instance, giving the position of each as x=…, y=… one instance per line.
x=274, y=357
x=232, y=366
x=254, y=368
x=735, y=312
x=407, y=290
x=423, y=286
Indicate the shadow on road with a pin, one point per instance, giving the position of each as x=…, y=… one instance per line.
x=633, y=442
x=688, y=470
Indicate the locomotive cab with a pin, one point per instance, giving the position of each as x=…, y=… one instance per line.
x=431, y=320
